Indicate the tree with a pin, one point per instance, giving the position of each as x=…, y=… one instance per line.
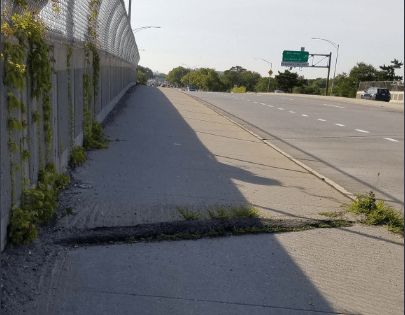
x=387, y=73
x=249, y=79
x=232, y=77
x=363, y=72
x=287, y=80
x=343, y=86
x=141, y=78
x=147, y=71
x=205, y=79
x=213, y=82
x=176, y=74
x=263, y=83
x=238, y=69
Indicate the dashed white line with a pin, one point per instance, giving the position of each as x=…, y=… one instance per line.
x=255, y=102
x=340, y=125
x=359, y=130
x=269, y=106
x=321, y=119
x=333, y=106
x=305, y=115
x=292, y=112
x=280, y=108
x=262, y=104
x=391, y=139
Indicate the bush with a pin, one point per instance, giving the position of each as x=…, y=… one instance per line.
x=240, y=89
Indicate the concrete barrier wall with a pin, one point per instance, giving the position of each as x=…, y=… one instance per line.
x=116, y=76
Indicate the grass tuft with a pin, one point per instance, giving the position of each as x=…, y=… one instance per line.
x=234, y=212
x=378, y=213
x=189, y=215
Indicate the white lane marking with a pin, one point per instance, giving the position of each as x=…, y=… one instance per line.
x=291, y=99
x=321, y=119
x=340, y=125
x=391, y=139
x=305, y=115
x=280, y=108
x=333, y=106
x=359, y=130
x=262, y=104
x=255, y=102
x=292, y=112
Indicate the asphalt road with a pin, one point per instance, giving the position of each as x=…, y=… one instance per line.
x=348, y=143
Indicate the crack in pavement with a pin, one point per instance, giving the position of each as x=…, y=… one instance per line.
x=223, y=302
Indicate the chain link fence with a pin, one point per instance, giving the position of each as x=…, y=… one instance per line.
x=390, y=85
x=71, y=24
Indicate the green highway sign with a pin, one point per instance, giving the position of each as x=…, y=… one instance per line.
x=295, y=56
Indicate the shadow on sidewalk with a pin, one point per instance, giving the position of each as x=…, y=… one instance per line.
x=154, y=164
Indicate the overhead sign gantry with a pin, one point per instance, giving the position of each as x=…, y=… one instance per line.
x=299, y=59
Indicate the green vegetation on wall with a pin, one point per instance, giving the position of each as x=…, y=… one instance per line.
x=26, y=54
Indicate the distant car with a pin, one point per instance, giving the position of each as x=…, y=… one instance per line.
x=278, y=91
x=191, y=89
x=378, y=94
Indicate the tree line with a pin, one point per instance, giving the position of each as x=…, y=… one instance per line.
x=206, y=79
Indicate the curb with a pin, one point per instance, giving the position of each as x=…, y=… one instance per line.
x=310, y=170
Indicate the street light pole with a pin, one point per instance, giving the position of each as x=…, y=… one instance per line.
x=271, y=67
x=337, y=54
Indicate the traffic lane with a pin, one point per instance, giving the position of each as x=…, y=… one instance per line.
x=301, y=122
x=362, y=117
x=300, y=139
x=353, y=163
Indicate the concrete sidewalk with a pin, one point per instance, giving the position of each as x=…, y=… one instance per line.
x=171, y=151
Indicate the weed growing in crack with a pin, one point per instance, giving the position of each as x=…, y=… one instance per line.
x=217, y=232
x=378, y=213
x=189, y=215
x=234, y=212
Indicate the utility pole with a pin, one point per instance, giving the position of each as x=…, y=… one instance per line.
x=327, y=80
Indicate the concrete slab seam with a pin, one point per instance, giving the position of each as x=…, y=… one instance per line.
x=310, y=170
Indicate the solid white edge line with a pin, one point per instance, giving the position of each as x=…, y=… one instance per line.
x=310, y=170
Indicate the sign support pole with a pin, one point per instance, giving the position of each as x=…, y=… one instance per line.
x=327, y=80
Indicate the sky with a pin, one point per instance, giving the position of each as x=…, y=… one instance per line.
x=220, y=34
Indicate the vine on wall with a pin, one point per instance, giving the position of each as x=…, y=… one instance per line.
x=25, y=54
x=93, y=137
